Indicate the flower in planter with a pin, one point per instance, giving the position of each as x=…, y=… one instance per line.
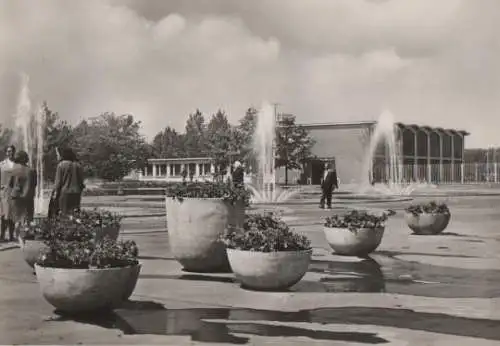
x=96, y=217
x=357, y=219
x=89, y=254
x=265, y=233
x=81, y=225
x=37, y=229
x=208, y=189
x=431, y=207
x=62, y=228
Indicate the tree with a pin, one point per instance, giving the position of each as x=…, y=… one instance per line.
x=244, y=134
x=195, y=136
x=220, y=141
x=110, y=146
x=168, y=143
x=57, y=133
x=293, y=144
x=6, y=135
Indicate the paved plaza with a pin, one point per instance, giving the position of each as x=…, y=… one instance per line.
x=414, y=290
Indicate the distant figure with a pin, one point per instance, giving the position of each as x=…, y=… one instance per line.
x=191, y=176
x=22, y=185
x=327, y=186
x=6, y=167
x=69, y=182
x=238, y=175
x=184, y=174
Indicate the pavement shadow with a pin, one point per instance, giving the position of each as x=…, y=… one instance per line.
x=211, y=324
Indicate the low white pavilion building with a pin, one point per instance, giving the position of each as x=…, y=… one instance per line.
x=170, y=169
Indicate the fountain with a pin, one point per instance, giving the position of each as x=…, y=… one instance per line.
x=29, y=133
x=384, y=133
x=264, y=189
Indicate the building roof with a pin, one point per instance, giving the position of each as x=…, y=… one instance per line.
x=180, y=159
x=433, y=129
x=371, y=123
x=345, y=125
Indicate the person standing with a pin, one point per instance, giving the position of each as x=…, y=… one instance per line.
x=69, y=182
x=6, y=167
x=22, y=185
x=327, y=186
x=238, y=175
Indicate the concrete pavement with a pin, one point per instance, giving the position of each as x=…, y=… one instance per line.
x=415, y=290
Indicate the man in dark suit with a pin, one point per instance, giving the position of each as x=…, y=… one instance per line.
x=327, y=186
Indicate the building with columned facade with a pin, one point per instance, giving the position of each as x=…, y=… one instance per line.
x=431, y=154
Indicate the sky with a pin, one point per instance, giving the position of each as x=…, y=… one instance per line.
x=429, y=62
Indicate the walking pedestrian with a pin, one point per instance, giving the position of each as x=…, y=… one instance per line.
x=6, y=167
x=69, y=182
x=327, y=186
x=22, y=185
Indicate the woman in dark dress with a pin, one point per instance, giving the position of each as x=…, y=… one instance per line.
x=69, y=182
x=22, y=186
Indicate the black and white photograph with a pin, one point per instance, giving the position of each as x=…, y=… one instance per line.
x=250, y=172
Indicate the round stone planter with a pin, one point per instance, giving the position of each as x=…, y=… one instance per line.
x=360, y=242
x=80, y=290
x=194, y=229
x=426, y=223
x=107, y=232
x=269, y=270
x=31, y=249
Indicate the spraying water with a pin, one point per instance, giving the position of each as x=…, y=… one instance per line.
x=385, y=133
x=29, y=132
x=264, y=139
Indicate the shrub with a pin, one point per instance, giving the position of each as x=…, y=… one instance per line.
x=265, y=233
x=429, y=208
x=97, y=217
x=357, y=219
x=89, y=254
x=223, y=190
x=62, y=228
x=71, y=241
x=81, y=225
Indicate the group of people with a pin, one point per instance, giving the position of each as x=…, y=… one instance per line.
x=18, y=184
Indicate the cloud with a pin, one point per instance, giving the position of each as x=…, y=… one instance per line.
x=429, y=62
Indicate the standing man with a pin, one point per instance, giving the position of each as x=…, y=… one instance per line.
x=238, y=175
x=327, y=186
x=6, y=167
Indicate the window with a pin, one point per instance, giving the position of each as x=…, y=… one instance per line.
x=177, y=169
x=206, y=168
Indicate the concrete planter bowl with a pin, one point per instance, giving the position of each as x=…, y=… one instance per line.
x=269, y=270
x=82, y=290
x=194, y=229
x=31, y=249
x=427, y=223
x=360, y=242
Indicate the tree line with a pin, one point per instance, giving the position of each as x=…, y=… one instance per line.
x=110, y=145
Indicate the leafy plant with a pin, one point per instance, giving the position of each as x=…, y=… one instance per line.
x=265, y=233
x=223, y=190
x=357, y=219
x=81, y=225
x=63, y=228
x=431, y=207
x=97, y=217
x=38, y=229
x=89, y=254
